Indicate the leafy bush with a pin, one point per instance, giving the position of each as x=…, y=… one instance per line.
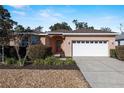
x=53, y=61
x=38, y=52
x=69, y=61
x=50, y=60
x=20, y=62
x=10, y=61
x=48, y=51
x=58, y=62
x=113, y=53
x=38, y=62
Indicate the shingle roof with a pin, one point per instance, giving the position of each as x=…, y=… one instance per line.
x=90, y=31
x=82, y=31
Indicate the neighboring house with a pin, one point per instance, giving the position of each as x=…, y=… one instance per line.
x=120, y=39
x=83, y=42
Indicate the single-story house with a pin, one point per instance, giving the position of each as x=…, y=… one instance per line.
x=81, y=42
x=120, y=39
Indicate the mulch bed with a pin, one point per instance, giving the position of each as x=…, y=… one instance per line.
x=42, y=76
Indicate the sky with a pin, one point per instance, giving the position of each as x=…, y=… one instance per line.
x=47, y=15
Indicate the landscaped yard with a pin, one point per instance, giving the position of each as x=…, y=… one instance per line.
x=40, y=69
x=42, y=78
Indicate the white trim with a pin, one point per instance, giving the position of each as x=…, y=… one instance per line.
x=42, y=34
x=29, y=33
x=60, y=33
x=90, y=34
x=54, y=33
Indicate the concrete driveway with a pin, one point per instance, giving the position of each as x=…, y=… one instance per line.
x=102, y=72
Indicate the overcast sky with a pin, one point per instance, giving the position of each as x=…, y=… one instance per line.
x=97, y=16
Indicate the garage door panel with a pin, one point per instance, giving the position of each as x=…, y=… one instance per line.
x=90, y=49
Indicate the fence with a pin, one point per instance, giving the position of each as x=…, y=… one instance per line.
x=120, y=52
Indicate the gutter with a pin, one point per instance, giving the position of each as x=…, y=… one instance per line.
x=113, y=34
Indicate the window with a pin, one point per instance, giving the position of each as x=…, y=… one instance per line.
x=100, y=42
x=82, y=41
x=87, y=41
x=96, y=41
x=91, y=41
x=78, y=41
x=104, y=41
x=73, y=41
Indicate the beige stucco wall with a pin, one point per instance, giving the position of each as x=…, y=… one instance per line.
x=43, y=40
x=67, y=43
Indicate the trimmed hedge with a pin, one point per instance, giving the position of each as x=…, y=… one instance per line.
x=120, y=52
x=39, y=52
x=113, y=53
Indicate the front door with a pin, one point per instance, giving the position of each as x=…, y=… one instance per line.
x=58, y=46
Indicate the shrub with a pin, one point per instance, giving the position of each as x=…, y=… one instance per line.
x=113, y=53
x=69, y=61
x=58, y=62
x=48, y=51
x=38, y=52
x=50, y=60
x=38, y=62
x=20, y=62
x=53, y=61
x=10, y=61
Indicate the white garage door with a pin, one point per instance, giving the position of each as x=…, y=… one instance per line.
x=90, y=48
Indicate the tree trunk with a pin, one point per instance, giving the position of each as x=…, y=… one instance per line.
x=17, y=51
x=27, y=51
x=2, y=53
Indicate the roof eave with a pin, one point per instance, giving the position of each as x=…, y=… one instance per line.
x=114, y=34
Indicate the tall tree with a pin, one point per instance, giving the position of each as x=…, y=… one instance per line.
x=20, y=35
x=28, y=29
x=38, y=29
x=19, y=28
x=17, y=37
x=80, y=25
x=58, y=26
x=6, y=25
x=106, y=29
